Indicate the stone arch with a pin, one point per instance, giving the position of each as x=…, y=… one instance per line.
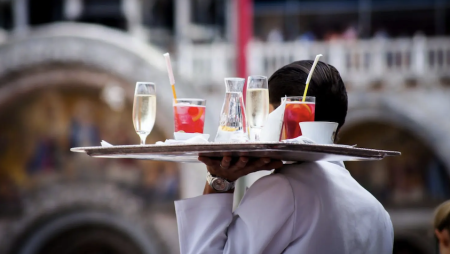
x=89, y=56
x=420, y=117
x=94, y=50
x=100, y=53
x=423, y=113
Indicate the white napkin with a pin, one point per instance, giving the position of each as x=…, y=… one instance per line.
x=272, y=127
x=200, y=139
x=194, y=140
x=306, y=140
x=299, y=140
x=105, y=144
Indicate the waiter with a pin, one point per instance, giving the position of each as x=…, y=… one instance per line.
x=309, y=207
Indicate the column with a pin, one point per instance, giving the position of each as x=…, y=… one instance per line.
x=182, y=19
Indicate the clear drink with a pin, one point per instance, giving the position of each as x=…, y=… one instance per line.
x=144, y=109
x=233, y=123
x=257, y=105
x=144, y=112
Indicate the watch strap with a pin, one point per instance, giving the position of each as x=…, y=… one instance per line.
x=210, y=179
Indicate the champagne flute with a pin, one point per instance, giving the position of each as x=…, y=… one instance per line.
x=257, y=105
x=144, y=109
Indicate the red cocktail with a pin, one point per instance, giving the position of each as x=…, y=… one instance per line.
x=297, y=111
x=189, y=115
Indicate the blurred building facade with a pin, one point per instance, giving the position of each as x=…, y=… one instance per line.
x=394, y=57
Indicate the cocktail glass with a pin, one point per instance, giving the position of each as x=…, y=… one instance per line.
x=295, y=112
x=189, y=115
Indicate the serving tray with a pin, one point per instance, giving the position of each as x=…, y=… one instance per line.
x=288, y=152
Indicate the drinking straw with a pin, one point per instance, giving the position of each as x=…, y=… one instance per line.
x=171, y=78
x=310, y=75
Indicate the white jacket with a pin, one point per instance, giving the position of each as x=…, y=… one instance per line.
x=303, y=208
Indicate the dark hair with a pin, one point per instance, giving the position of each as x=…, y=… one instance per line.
x=326, y=85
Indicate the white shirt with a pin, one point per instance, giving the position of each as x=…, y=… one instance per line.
x=304, y=208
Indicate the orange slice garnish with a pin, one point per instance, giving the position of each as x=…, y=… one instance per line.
x=295, y=106
x=307, y=107
x=196, y=113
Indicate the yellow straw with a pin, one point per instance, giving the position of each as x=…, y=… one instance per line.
x=171, y=78
x=310, y=75
x=173, y=92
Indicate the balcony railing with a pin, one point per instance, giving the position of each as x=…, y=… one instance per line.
x=360, y=62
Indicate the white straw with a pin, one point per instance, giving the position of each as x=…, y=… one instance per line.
x=169, y=69
x=312, y=68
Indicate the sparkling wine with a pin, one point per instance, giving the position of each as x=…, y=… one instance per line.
x=144, y=113
x=257, y=107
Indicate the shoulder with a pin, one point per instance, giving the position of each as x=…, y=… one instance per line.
x=315, y=165
x=273, y=190
x=273, y=183
x=315, y=171
x=272, y=178
x=269, y=200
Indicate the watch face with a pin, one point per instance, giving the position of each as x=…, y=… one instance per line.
x=219, y=184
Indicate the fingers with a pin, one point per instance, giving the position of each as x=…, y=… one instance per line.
x=232, y=170
x=225, y=163
x=207, y=161
x=274, y=164
x=256, y=165
x=262, y=164
x=242, y=162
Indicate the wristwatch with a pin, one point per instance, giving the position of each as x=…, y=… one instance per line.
x=218, y=183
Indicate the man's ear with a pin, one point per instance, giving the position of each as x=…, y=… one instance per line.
x=271, y=108
x=443, y=237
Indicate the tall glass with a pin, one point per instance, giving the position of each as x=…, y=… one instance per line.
x=233, y=123
x=144, y=109
x=189, y=115
x=295, y=112
x=256, y=105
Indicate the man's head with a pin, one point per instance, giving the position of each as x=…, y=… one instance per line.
x=442, y=227
x=326, y=85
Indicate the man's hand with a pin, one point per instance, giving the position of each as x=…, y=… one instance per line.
x=231, y=171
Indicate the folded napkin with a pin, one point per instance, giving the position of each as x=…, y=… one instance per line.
x=272, y=127
x=105, y=144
